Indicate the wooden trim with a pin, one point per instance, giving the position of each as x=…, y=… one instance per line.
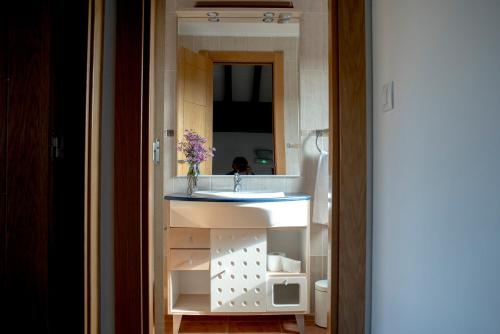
x=147, y=174
x=279, y=114
x=209, y=121
x=334, y=154
x=92, y=167
x=275, y=58
x=179, y=105
x=155, y=179
x=242, y=57
x=349, y=152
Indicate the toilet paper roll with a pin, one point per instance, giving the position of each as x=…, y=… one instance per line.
x=274, y=261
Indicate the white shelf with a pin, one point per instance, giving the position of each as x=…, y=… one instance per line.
x=284, y=274
x=192, y=304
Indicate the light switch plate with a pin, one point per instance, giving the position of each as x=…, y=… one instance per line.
x=388, y=96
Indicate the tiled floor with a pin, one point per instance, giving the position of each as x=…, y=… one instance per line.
x=242, y=324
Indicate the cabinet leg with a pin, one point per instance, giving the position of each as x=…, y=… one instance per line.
x=300, y=323
x=176, y=324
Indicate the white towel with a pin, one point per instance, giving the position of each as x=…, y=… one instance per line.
x=321, y=198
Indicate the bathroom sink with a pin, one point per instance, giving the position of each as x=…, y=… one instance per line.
x=242, y=194
x=246, y=209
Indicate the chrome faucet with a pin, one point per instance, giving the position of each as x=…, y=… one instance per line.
x=237, y=182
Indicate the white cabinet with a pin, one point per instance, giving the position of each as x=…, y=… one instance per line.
x=238, y=270
x=216, y=258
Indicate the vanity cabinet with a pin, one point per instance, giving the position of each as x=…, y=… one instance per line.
x=216, y=256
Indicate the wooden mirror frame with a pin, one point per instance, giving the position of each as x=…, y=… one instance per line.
x=274, y=58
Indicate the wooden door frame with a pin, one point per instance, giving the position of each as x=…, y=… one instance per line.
x=132, y=170
x=275, y=58
x=348, y=152
x=92, y=167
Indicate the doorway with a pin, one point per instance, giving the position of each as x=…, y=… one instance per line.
x=348, y=152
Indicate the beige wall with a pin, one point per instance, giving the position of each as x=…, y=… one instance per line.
x=313, y=97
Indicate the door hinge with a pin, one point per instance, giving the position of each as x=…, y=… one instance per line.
x=156, y=151
x=57, y=147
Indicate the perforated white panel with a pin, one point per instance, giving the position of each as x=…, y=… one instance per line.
x=238, y=270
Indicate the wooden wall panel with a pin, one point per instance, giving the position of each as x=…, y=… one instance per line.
x=42, y=92
x=28, y=182
x=3, y=100
x=3, y=139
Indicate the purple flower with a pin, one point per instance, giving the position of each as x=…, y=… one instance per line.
x=193, y=147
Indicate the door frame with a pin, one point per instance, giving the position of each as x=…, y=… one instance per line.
x=348, y=152
x=92, y=167
x=132, y=221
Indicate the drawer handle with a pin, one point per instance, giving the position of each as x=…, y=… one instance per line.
x=190, y=238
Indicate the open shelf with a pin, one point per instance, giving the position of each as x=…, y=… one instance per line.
x=192, y=304
x=284, y=274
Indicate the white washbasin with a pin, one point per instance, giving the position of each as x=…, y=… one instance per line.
x=241, y=194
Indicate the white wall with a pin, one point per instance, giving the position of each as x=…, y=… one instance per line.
x=436, y=255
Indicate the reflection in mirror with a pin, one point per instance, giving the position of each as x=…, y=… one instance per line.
x=243, y=119
x=240, y=90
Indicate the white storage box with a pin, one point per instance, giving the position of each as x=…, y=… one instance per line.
x=290, y=265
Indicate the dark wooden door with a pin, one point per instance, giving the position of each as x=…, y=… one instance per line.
x=68, y=36
x=131, y=193
x=27, y=168
x=42, y=97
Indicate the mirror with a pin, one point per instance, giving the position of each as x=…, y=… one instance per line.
x=237, y=86
x=243, y=119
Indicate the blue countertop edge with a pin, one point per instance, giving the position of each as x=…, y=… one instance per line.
x=289, y=197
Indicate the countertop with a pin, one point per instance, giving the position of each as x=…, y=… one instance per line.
x=287, y=198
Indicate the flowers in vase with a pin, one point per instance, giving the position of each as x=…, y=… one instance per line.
x=193, y=146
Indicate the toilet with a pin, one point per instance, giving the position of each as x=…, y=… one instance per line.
x=321, y=302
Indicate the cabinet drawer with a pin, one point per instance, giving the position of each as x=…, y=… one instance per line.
x=189, y=259
x=189, y=238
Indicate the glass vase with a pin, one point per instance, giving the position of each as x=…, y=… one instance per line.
x=192, y=178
